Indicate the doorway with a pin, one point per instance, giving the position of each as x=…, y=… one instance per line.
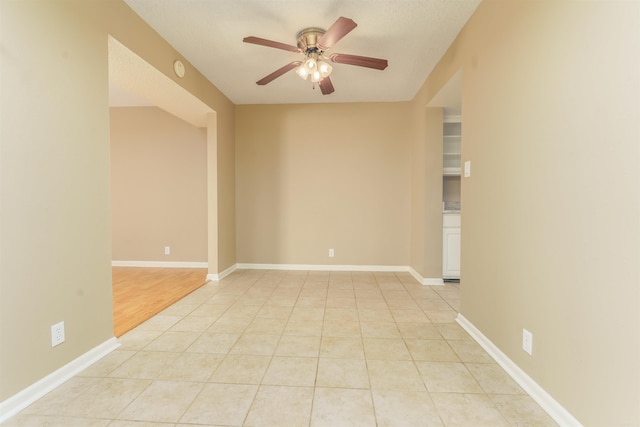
x=148, y=275
x=449, y=98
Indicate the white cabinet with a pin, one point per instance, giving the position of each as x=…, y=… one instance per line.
x=451, y=246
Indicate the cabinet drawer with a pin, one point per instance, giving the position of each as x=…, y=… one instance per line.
x=451, y=220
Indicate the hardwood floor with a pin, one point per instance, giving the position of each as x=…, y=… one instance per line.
x=140, y=293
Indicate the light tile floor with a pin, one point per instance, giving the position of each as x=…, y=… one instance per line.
x=284, y=349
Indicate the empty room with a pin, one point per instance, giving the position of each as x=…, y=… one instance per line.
x=402, y=213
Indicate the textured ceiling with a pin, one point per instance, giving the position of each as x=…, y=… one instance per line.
x=411, y=34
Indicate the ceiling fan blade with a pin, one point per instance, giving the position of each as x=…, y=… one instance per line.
x=277, y=73
x=338, y=30
x=326, y=86
x=360, y=61
x=271, y=43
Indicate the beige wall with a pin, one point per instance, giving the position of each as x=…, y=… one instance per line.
x=55, y=259
x=426, y=192
x=158, y=186
x=226, y=191
x=432, y=155
x=550, y=224
x=314, y=177
x=55, y=227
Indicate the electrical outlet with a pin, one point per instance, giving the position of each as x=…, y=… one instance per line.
x=167, y=250
x=57, y=334
x=527, y=341
x=331, y=253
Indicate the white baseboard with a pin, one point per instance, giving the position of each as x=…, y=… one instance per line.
x=426, y=281
x=297, y=267
x=544, y=399
x=217, y=277
x=322, y=267
x=333, y=267
x=161, y=264
x=26, y=397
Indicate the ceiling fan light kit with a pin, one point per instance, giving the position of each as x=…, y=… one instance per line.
x=312, y=43
x=318, y=70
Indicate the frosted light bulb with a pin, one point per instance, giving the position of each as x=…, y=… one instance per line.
x=302, y=72
x=325, y=69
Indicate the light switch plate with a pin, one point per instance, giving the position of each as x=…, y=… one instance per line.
x=467, y=169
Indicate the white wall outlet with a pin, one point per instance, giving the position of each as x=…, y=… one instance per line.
x=527, y=341
x=57, y=334
x=167, y=250
x=331, y=253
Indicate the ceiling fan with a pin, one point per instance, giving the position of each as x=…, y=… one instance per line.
x=313, y=43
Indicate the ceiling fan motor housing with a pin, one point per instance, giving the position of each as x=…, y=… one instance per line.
x=308, y=38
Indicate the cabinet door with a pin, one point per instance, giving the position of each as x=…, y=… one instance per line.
x=451, y=253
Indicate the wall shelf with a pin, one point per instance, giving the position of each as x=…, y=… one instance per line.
x=452, y=146
x=455, y=171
